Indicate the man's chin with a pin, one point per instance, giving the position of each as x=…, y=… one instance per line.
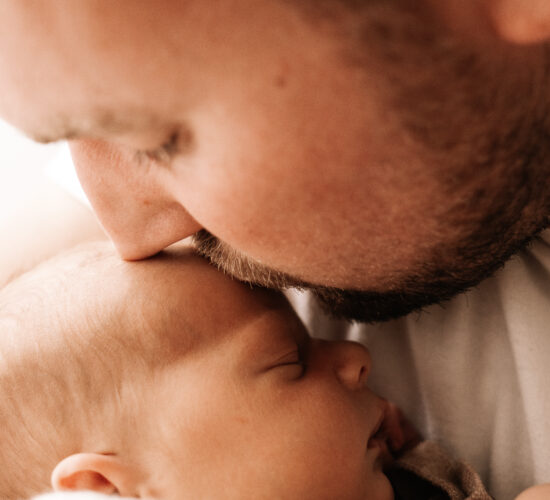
x=430, y=286
x=352, y=305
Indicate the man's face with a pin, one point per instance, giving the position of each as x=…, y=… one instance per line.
x=318, y=152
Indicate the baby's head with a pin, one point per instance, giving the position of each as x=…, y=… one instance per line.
x=166, y=379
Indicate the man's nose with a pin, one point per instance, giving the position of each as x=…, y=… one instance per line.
x=351, y=363
x=133, y=203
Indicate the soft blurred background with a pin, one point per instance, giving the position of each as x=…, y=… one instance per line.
x=38, y=215
x=19, y=155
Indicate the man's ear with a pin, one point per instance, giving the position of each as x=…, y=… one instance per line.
x=521, y=21
x=106, y=474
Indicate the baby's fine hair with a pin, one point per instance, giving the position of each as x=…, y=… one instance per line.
x=60, y=369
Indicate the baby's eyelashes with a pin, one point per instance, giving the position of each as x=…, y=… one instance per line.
x=290, y=358
x=293, y=361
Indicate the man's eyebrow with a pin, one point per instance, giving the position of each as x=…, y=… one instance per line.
x=95, y=124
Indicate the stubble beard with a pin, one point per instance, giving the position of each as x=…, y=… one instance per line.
x=429, y=286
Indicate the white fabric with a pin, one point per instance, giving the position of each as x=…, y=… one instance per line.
x=61, y=171
x=475, y=373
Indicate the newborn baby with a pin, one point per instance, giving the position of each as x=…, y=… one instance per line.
x=165, y=379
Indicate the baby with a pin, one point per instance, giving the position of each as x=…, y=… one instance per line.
x=165, y=379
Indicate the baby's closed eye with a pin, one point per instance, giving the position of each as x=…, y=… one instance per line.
x=291, y=360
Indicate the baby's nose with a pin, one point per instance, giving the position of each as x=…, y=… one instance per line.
x=352, y=364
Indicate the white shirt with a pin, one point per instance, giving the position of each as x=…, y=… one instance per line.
x=473, y=373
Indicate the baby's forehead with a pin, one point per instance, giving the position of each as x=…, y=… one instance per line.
x=167, y=306
x=90, y=303
x=98, y=263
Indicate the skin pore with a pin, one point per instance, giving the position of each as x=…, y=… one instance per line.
x=387, y=155
x=197, y=387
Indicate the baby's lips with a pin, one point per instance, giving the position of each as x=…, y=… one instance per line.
x=390, y=428
x=385, y=457
x=401, y=434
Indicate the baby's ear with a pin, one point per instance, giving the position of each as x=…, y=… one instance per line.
x=106, y=474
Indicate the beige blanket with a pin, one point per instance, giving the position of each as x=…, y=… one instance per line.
x=427, y=472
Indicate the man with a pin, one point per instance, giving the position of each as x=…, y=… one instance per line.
x=386, y=155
